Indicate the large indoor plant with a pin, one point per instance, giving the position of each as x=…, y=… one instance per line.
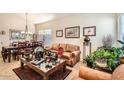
x=108, y=56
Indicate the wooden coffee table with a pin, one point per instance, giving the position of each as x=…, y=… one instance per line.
x=41, y=68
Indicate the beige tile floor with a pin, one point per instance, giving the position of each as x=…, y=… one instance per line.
x=6, y=72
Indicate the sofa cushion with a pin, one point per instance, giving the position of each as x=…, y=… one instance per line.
x=55, y=46
x=118, y=73
x=67, y=55
x=63, y=46
x=77, y=48
x=70, y=48
x=76, y=53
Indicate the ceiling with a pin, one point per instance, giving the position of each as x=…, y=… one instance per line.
x=37, y=18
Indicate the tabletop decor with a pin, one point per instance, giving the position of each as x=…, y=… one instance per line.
x=28, y=56
x=39, y=51
x=52, y=56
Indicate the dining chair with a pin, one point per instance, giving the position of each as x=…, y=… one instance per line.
x=4, y=54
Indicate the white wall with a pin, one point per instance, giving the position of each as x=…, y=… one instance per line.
x=12, y=21
x=105, y=24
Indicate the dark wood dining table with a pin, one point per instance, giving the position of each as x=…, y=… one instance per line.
x=10, y=48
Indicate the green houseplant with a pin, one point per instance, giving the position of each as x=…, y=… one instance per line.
x=119, y=52
x=107, y=41
x=109, y=56
x=111, y=64
x=90, y=61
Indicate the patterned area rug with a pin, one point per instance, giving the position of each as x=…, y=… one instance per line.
x=28, y=74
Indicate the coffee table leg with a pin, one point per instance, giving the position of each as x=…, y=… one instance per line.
x=9, y=55
x=45, y=78
x=22, y=64
x=64, y=68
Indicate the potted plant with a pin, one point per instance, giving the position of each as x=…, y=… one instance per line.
x=107, y=41
x=107, y=58
x=90, y=61
x=104, y=58
x=111, y=64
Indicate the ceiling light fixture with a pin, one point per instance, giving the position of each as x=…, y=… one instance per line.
x=26, y=26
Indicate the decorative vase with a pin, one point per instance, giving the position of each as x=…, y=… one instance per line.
x=86, y=39
x=27, y=57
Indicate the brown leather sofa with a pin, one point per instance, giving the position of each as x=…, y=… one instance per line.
x=71, y=52
x=92, y=74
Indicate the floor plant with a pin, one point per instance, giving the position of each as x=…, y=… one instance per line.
x=110, y=56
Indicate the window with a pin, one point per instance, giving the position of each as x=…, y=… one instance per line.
x=45, y=35
x=45, y=32
x=16, y=34
x=121, y=27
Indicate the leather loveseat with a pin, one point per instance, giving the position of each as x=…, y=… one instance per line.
x=92, y=74
x=71, y=52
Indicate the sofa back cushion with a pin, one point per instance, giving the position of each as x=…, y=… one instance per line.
x=55, y=46
x=71, y=48
x=92, y=74
x=118, y=73
x=77, y=48
x=63, y=46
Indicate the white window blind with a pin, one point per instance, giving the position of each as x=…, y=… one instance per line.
x=44, y=32
x=121, y=27
x=45, y=35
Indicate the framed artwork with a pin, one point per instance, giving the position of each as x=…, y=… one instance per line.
x=59, y=33
x=2, y=32
x=72, y=32
x=16, y=34
x=89, y=31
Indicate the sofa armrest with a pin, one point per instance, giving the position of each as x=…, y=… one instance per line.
x=76, y=53
x=77, y=78
x=92, y=74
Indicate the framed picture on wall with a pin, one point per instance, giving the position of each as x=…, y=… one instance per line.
x=16, y=34
x=72, y=32
x=2, y=32
x=89, y=31
x=59, y=33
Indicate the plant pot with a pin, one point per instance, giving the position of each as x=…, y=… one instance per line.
x=91, y=65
